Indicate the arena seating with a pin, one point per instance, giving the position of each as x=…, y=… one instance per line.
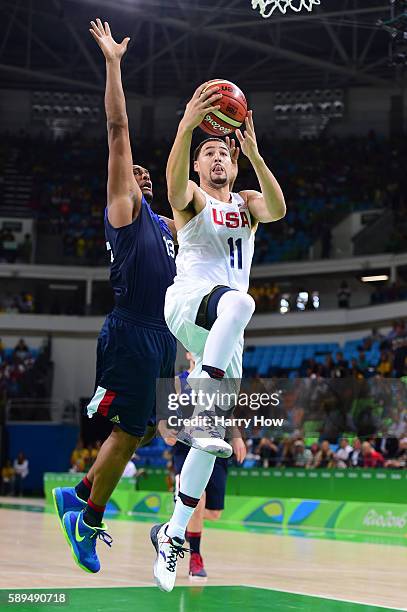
x=8, y=354
x=262, y=359
x=152, y=455
x=68, y=192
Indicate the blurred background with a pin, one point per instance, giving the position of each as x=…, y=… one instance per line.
x=330, y=280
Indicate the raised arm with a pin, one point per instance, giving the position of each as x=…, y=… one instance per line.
x=269, y=204
x=123, y=192
x=180, y=188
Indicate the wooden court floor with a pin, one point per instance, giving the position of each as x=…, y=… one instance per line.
x=34, y=554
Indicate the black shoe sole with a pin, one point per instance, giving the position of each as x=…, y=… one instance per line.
x=154, y=536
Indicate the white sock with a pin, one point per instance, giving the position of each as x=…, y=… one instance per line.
x=235, y=309
x=209, y=388
x=194, y=477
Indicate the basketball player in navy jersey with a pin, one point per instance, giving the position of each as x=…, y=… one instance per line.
x=135, y=346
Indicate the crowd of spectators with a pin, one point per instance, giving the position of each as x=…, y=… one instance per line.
x=83, y=457
x=24, y=373
x=23, y=303
x=330, y=401
x=268, y=296
x=323, y=180
x=376, y=452
x=13, y=475
x=391, y=363
x=389, y=292
x=69, y=194
x=13, y=250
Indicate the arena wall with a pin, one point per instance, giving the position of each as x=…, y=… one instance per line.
x=74, y=338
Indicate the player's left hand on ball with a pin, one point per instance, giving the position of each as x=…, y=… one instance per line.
x=239, y=449
x=247, y=139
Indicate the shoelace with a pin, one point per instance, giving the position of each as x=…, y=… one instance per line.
x=104, y=536
x=176, y=551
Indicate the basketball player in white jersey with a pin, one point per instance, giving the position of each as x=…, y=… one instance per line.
x=208, y=307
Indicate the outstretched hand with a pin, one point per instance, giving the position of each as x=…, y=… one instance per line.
x=247, y=139
x=111, y=49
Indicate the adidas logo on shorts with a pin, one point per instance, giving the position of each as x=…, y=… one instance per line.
x=115, y=419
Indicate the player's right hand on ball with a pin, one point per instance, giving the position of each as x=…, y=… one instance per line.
x=201, y=103
x=111, y=49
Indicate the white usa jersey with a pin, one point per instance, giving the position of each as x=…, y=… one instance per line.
x=216, y=246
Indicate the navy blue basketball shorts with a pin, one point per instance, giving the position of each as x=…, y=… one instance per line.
x=207, y=311
x=130, y=359
x=216, y=487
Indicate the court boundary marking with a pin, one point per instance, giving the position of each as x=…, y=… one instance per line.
x=351, y=601
x=250, y=586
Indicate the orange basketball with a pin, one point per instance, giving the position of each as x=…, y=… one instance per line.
x=232, y=112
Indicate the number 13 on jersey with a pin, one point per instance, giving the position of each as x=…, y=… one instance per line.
x=169, y=246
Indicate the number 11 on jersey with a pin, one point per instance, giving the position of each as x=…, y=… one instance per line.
x=233, y=247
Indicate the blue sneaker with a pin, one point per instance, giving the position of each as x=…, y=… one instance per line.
x=82, y=540
x=66, y=500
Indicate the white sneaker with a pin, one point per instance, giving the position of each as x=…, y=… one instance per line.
x=207, y=437
x=168, y=550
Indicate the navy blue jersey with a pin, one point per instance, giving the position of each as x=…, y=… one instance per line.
x=142, y=263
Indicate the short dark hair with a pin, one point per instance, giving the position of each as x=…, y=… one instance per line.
x=201, y=144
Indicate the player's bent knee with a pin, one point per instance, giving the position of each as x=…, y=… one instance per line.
x=149, y=434
x=244, y=306
x=250, y=304
x=125, y=439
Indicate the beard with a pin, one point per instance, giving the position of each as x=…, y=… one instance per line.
x=220, y=181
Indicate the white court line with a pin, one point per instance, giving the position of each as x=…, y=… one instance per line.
x=352, y=601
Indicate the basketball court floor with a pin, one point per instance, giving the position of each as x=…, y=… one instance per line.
x=253, y=571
